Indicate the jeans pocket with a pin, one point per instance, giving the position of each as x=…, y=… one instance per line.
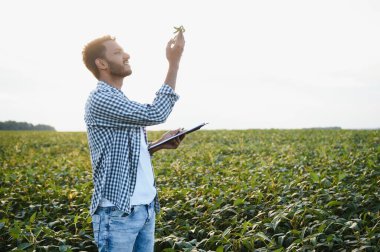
x=115, y=213
x=121, y=221
x=120, y=214
x=96, y=227
x=130, y=213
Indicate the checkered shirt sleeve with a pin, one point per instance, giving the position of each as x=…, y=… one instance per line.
x=111, y=108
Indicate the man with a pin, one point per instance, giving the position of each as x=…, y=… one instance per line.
x=125, y=200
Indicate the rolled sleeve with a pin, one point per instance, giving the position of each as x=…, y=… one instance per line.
x=167, y=90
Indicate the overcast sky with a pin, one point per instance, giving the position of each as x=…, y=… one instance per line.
x=246, y=64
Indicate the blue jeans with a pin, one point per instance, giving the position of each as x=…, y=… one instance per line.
x=115, y=230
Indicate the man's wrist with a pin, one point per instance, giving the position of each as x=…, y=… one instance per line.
x=155, y=149
x=174, y=66
x=171, y=76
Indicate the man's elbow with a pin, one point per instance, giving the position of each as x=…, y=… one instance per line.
x=161, y=119
x=161, y=116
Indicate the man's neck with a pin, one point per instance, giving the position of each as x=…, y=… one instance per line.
x=112, y=81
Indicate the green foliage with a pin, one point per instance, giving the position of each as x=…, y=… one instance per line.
x=253, y=190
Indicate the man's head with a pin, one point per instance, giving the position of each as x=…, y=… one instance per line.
x=104, y=56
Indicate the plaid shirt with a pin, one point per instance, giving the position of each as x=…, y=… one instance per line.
x=113, y=130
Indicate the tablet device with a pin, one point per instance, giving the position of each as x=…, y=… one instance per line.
x=177, y=135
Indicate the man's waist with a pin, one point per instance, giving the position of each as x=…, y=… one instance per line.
x=114, y=208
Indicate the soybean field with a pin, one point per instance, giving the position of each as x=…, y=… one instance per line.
x=238, y=190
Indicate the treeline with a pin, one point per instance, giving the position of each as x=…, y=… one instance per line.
x=13, y=125
x=323, y=128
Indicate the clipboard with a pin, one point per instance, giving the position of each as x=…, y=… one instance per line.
x=178, y=135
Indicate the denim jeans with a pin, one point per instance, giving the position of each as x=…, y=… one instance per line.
x=115, y=230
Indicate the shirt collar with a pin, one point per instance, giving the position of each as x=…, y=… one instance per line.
x=105, y=85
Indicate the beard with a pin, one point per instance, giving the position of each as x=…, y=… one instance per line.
x=118, y=69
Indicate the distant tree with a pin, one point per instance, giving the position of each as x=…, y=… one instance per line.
x=324, y=128
x=13, y=125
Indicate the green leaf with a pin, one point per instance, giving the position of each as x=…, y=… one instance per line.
x=226, y=232
x=168, y=250
x=24, y=245
x=263, y=236
x=276, y=220
x=321, y=228
x=342, y=175
x=303, y=232
x=15, y=231
x=89, y=220
x=334, y=203
x=220, y=249
x=330, y=238
x=281, y=239
x=238, y=202
x=354, y=226
x=315, y=177
x=33, y=217
x=64, y=248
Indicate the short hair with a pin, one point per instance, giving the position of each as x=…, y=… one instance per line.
x=93, y=50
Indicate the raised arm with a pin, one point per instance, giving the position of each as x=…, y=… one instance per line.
x=174, y=51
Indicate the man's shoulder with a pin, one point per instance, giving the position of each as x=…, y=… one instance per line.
x=101, y=92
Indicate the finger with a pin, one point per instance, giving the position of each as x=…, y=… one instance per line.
x=168, y=134
x=170, y=43
x=173, y=142
x=176, y=131
x=180, y=36
x=180, y=43
x=179, y=39
x=180, y=33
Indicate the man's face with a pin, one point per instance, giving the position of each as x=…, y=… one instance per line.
x=117, y=59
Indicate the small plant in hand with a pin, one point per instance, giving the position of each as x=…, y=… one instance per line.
x=178, y=29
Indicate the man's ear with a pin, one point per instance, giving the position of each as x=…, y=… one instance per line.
x=101, y=63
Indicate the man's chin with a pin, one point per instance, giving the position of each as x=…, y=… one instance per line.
x=128, y=73
x=121, y=73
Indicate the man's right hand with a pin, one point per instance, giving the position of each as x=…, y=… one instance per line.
x=174, y=49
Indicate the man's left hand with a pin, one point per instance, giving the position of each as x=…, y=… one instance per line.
x=173, y=144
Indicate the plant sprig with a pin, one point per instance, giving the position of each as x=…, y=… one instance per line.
x=178, y=29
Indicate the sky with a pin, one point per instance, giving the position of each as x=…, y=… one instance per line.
x=246, y=64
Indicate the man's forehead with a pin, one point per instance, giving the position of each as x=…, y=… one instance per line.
x=112, y=45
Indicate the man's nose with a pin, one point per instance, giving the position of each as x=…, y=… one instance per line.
x=126, y=56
